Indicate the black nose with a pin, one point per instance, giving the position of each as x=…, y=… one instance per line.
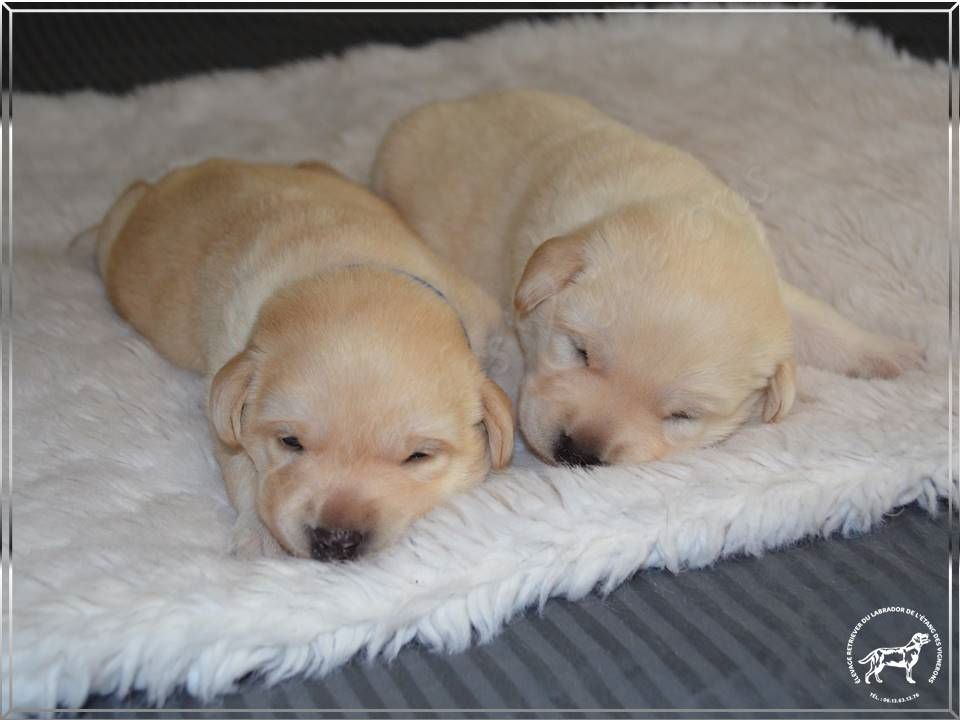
x=335, y=544
x=568, y=452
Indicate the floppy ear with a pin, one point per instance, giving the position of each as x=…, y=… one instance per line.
x=227, y=394
x=780, y=392
x=498, y=420
x=548, y=270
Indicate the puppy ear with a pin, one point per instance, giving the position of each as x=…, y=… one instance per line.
x=549, y=270
x=780, y=392
x=228, y=391
x=498, y=420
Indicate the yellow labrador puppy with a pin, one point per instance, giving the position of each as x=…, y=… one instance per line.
x=647, y=302
x=346, y=393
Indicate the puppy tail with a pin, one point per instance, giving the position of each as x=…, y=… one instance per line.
x=318, y=166
x=113, y=222
x=83, y=244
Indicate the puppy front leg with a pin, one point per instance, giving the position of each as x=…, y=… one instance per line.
x=825, y=339
x=250, y=539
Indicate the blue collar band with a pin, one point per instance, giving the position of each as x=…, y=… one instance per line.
x=420, y=281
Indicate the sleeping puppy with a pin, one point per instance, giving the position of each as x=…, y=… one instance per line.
x=346, y=395
x=647, y=303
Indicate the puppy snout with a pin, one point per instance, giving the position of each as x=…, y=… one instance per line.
x=335, y=544
x=570, y=452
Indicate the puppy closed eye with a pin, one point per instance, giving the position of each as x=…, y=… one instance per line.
x=581, y=349
x=291, y=442
x=417, y=457
x=682, y=426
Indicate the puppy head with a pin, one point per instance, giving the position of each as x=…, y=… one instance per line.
x=650, y=331
x=362, y=407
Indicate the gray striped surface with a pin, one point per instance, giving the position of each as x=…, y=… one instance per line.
x=756, y=633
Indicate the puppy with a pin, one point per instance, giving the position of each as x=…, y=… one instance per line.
x=647, y=303
x=347, y=395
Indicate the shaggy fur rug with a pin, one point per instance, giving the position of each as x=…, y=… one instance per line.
x=122, y=580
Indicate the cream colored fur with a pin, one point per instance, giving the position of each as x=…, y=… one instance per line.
x=648, y=303
x=344, y=394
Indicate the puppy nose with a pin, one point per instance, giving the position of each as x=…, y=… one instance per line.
x=567, y=451
x=335, y=544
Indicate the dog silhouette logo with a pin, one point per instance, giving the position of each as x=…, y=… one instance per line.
x=901, y=657
x=891, y=623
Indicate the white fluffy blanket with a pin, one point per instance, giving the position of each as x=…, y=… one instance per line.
x=121, y=579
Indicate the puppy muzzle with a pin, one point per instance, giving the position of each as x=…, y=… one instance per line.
x=335, y=544
x=568, y=451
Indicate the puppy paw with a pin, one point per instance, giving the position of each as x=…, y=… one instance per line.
x=251, y=540
x=885, y=356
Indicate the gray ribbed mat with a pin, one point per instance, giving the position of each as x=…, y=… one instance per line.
x=118, y=51
x=764, y=632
